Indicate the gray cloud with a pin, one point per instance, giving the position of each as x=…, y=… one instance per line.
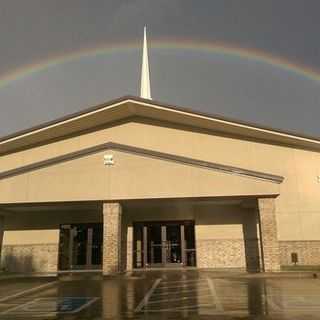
x=34, y=30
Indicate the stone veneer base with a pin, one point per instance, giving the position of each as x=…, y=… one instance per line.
x=308, y=252
x=30, y=258
x=224, y=253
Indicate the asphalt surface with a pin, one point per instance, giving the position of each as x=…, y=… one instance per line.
x=160, y=295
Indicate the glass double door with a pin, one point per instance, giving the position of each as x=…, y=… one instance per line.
x=164, y=244
x=160, y=244
x=80, y=246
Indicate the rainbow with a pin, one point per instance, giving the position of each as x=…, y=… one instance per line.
x=222, y=48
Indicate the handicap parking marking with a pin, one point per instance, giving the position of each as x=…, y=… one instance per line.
x=146, y=298
x=28, y=291
x=199, y=296
x=164, y=293
x=181, y=285
x=183, y=308
x=294, y=303
x=182, y=299
x=51, y=306
x=214, y=294
x=168, y=293
x=183, y=281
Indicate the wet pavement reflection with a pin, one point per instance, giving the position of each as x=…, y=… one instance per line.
x=169, y=294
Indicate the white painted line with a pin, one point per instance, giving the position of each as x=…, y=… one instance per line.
x=28, y=291
x=272, y=304
x=207, y=310
x=94, y=299
x=234, y=313
x=179, y=292
x=214, y=294
x=23, y=308
x=184, y=281
x=18, y=307
x=178, y=299
x=146, y=298
x=191, y=307
x=182, y=286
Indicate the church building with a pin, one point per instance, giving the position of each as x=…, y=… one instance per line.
x=139, y=184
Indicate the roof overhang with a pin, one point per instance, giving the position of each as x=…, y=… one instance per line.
x=128, y=107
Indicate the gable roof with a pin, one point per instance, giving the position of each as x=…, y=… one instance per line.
x=131, y=106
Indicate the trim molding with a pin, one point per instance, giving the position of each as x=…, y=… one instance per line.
x=143, y=152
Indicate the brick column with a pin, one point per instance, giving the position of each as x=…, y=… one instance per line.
x=268, y=234
x=251, y=241
x=111, y=238
x=1, y=233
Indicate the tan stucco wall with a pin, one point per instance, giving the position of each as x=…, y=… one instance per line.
x=211, y=220
x=298, y=206
x=131, y=177
x=28, y=237
x=38, y=222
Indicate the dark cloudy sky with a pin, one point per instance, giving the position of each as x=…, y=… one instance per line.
x=38, y=30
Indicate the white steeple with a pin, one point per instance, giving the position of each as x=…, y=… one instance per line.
x=145, y=91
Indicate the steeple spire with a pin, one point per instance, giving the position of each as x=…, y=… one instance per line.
x=145, y=91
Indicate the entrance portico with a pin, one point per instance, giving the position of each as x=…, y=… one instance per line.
x=115, y=237
x=217, y=233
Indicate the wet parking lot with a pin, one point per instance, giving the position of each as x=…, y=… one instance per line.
x=160, y=295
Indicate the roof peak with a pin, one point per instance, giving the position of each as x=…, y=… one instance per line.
x=145, y=91
x=248, y=130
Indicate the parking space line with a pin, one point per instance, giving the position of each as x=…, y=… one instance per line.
x=28, y=291
x=160, y=293
x=18, y=307
x=93, y=300
x=184, y=308
x=181, y=286
x=184, y=281
x=217, y=302
x=146, y=298
x=179, y=291
x=178, y=299
x=272, y=304
x=25, y=307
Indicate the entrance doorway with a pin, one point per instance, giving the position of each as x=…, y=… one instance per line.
x=80, y=246
x=164, y=244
